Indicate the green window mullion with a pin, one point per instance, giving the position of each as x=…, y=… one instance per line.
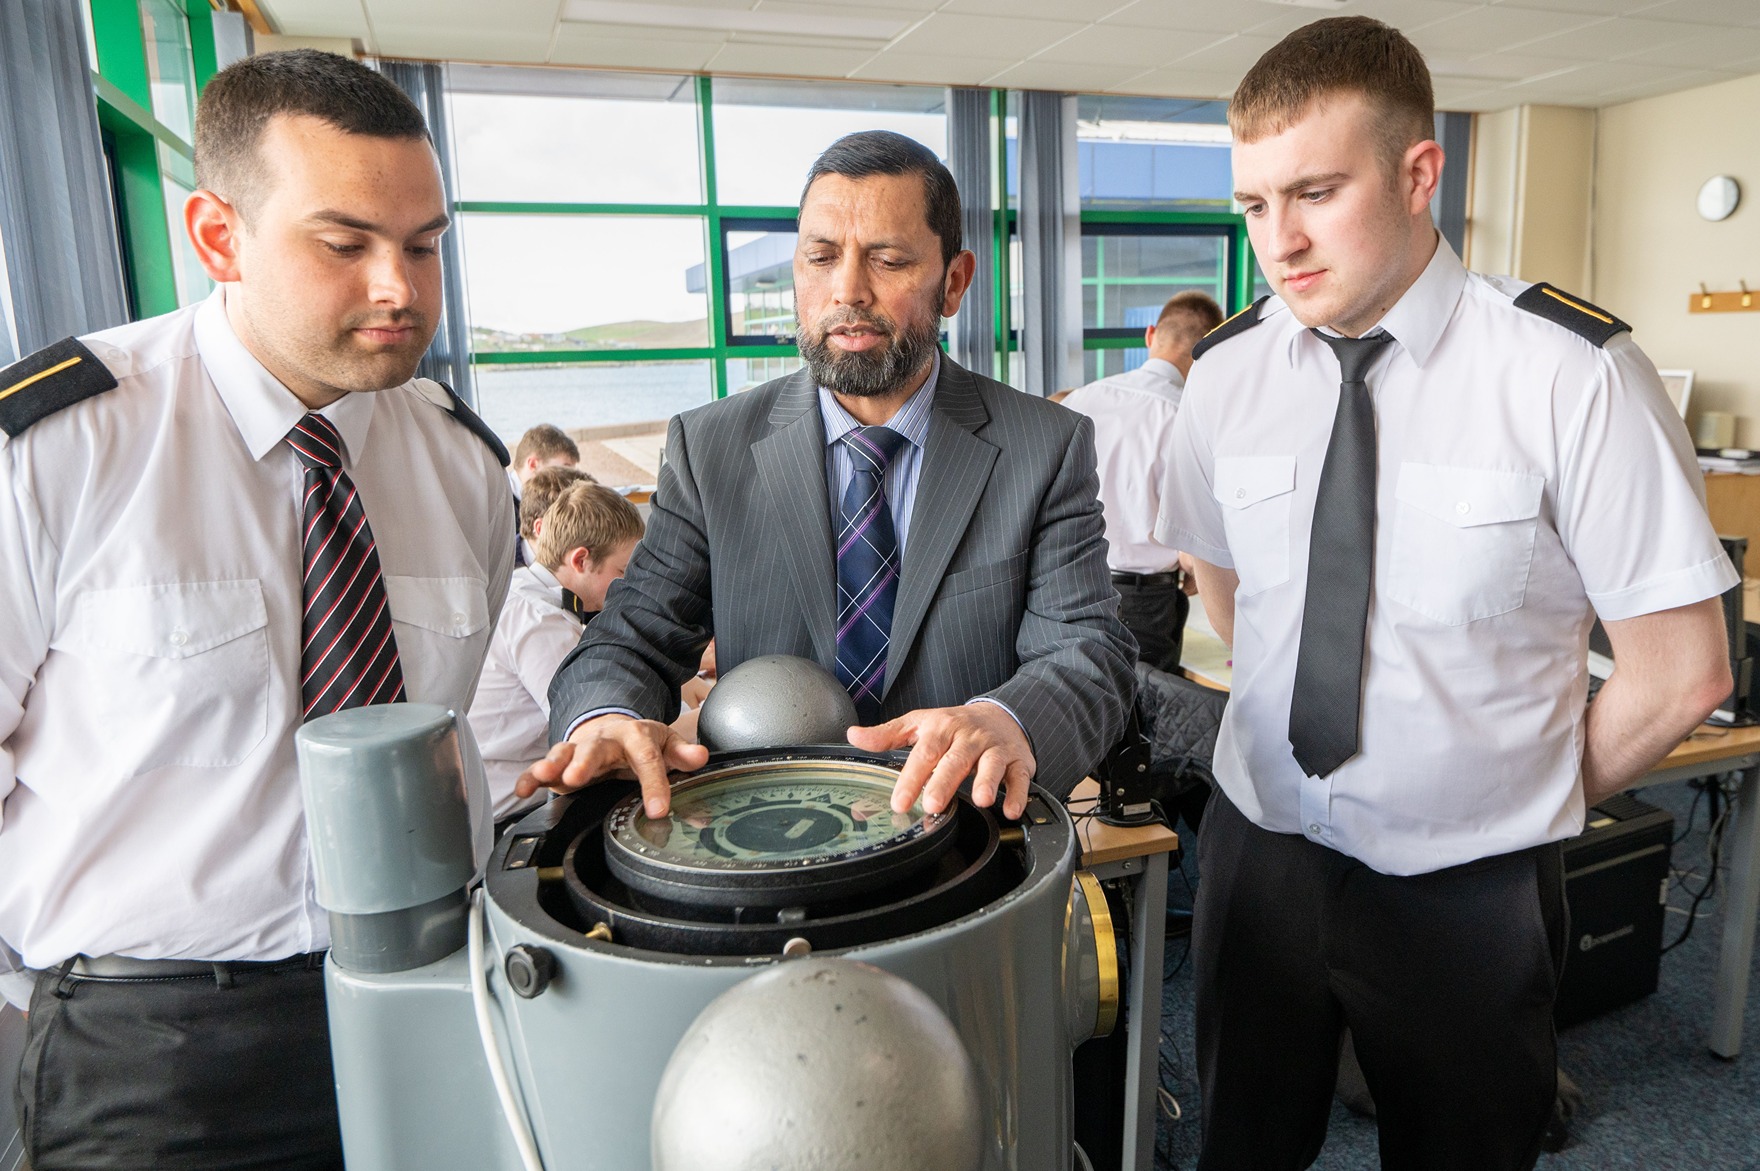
x=1002, y=292
x=145, y=225
x=1244, y=272
x=122, y=48
x=712, y=255
x=201, y=40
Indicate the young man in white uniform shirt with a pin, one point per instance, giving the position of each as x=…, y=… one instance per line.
x=1133, y=415
x=154, y=539
x=1519, y=470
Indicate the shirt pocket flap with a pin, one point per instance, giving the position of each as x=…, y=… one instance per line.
x=171, y=621
x=1245, y=480
x=454, y=606
x=1467, y=497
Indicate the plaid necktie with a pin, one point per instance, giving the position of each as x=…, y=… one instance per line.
x=348, y=654
x=867, y=569
x=1325, y=715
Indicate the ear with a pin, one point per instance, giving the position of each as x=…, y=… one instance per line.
x=537, y=525
x=214, y=228
x=1149, y=338
x=958, y=280
x=1422, y=174
x=580, y=560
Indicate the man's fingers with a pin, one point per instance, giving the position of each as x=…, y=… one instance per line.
x=933, y=737
x=645, y=753
x=899, y=733
x=954, y=767
x=683, y=756
x=992, y=767
x=1017, y=781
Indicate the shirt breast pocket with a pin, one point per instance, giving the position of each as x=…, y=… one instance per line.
x=182, y=672
x=1255, y=492
x=442, y=628
x=1463, y=541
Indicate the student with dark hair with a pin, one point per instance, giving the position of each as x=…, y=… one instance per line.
x=930, y=536
x=216, y=525
x=1409, y=489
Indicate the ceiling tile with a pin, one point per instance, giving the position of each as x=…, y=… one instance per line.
x=1212, y=16
x=787, y=60
x=1729, y=13
x=1499, y=68
x=1066, y=10
x=1486, y=30
x=510, y=18
x=318, y=18
x=904, y=14
x=1235, y=54
x=1685, y=79
x=581, y=33
x=1108, y=45
x=994, y=36
x=1613, y=39
x=485, y=45
x=1411, y=14
x=584, y=45
x=922, y=69
x=1589, y=7
x=1729, y=48
x=1061, y=76
x=1461, y=95
x=1181, y=83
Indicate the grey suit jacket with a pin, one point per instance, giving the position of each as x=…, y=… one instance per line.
x=1003, y=590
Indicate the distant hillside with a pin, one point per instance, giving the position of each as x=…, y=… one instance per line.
x=619, y=335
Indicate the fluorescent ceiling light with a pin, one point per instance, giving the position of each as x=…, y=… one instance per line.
x=734, y=20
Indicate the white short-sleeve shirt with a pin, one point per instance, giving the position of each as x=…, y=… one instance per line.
x=150, y=604
x=511, y=713
x=1133, y=417
x=1528, y=479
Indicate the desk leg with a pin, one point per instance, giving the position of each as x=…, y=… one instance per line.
x=1741, y=906
x=1142, y=1071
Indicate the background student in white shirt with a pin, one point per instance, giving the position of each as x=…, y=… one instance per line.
x=543, y=446
x=1409, y=490
x=540, y=492
x=1133, y=415
x=584, y=541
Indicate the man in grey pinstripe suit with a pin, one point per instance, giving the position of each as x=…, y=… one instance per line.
x=999, y=654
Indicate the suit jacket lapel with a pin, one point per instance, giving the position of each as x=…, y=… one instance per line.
x=791, y=465
x=956, y=466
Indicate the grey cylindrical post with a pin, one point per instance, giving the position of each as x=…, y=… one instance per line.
x=390, y=832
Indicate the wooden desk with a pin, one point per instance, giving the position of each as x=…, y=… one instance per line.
x=1705, y=753
x=1138, y=855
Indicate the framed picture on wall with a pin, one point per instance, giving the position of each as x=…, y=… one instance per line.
x=1679, y=384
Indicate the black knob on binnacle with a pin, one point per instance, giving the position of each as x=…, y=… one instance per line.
x=529, y=970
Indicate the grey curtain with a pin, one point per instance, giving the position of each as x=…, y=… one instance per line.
x=1051, y=243
x=449, y=357
x=57, y=222
x=969, y=157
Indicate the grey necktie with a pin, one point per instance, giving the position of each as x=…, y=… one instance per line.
x=1326, y=709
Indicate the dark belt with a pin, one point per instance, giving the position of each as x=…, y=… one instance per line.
x=1169, y=578
x=112, y=967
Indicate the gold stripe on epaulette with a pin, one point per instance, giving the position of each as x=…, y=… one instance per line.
x=1550, y=293
x=38, y=377
x=1228, y=319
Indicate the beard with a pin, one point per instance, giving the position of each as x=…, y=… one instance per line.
x=873, y=373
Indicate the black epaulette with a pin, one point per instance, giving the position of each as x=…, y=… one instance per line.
x=1241, y=322
x=1575, y=314
x=47, y=381
x=475, y=422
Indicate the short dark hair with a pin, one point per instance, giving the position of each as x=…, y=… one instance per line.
x=881, y=152
x=239, y=101
x=1339, y=55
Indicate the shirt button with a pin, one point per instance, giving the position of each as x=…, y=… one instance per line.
x=1314, y=828
x=179, y=637
x=1463, y=508
x=1239, y=493
x=458, y=618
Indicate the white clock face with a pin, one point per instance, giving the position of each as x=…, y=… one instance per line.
x=1718, y=197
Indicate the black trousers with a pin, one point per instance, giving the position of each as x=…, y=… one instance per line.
x=179, y=1074
x=1156, y=615
x=1446, y=981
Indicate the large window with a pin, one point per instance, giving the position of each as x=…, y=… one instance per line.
x=629, y=238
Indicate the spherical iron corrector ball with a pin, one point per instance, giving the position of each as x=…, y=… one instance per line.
x=775, y=701
x=819, y=1065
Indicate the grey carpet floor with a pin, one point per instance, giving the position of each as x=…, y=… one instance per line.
x=1656, y=1098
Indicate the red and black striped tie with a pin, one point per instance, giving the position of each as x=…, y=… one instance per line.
x=348, y=654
